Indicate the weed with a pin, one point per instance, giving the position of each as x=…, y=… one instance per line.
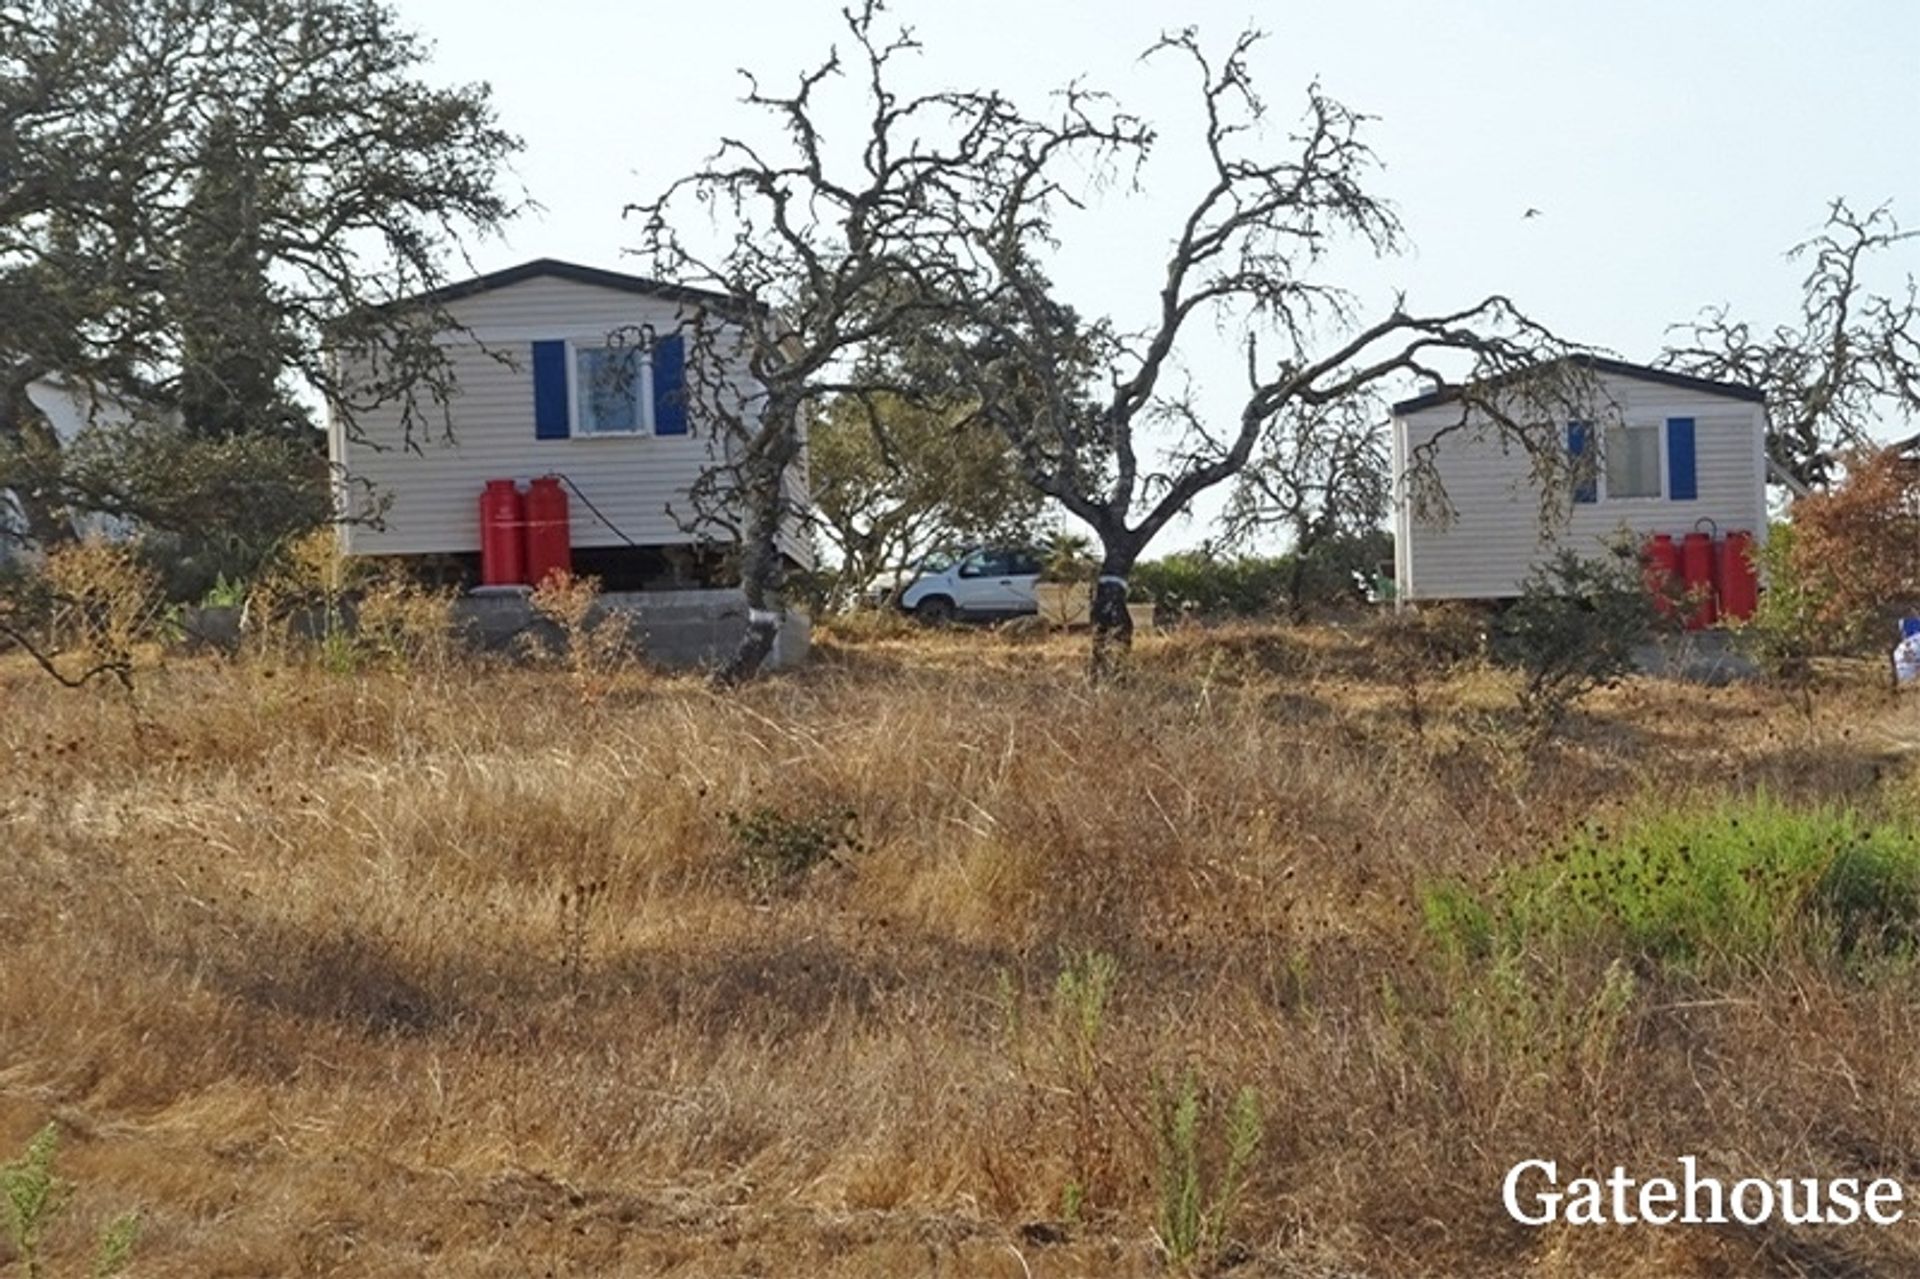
x=595, y=642
x=1080, y=996
x=775, y=850
x=578, y=907
x=1192, y=1223
x=408, y=625
x=1073, y=1201
x=32, y=1199
x=1420, y=649
x=88, y=612
x=225, y=592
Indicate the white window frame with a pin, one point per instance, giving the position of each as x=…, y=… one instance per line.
x=646, y=426
x=1600, y=480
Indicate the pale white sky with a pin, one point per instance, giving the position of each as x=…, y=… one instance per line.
x=1674, y=149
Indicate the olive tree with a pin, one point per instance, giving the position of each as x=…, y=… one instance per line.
x=201, y=202
x=1845, y=365
x=1131, y=448
x=917, y=261
x=833, y=257
x=894, y=480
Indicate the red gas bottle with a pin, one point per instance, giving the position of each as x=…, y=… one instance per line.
x=502, y=556
x=1739, y=583
x=1696, y=572
x=549, y=537
x=1662, y=571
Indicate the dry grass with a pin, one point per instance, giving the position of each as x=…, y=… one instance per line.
x=390, y=975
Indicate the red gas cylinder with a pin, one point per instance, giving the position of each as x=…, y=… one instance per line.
x=549, y=539
x=502, y=557
x=1661, y=566
x=1739, y=584
x=1696, y=572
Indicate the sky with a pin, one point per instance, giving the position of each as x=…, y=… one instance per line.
x=1674, y=150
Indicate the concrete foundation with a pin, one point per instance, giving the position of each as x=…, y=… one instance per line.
x=680, y=629
x=691, y=628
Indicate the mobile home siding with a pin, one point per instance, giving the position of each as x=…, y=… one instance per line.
x=1496, y=534
x=427, y=497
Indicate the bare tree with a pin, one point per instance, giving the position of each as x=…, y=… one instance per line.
x=1246, y=253
x=831, y=254
x=1848, y=363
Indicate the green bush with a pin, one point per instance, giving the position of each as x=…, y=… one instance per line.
x=1787, y=629
x=1743, y=882
x=1573, y=630
x=1213, y=588
x=1192, y=584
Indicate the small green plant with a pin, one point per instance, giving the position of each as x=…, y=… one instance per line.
x=226, y=592
x=1193, y=1224
x=32, y=1199
x=1080, y=996
x=1572, y=630
x=1073, y=1201
x=775, y=849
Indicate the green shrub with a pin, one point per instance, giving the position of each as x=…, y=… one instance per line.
x=1193, y=584
x=1740, y=883
x=1205, y=587
x=1787, y=629
x=1573, y=630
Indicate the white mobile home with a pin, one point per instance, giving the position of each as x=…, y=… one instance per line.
x=1674, y=454
x=530, y=351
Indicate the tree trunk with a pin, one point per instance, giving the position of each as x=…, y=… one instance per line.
x=1112, y=624
x=1297, y=582
x=762, y=566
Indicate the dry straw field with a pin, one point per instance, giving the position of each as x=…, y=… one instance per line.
x=929, y=959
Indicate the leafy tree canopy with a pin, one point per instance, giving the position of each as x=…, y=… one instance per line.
x=202, y=200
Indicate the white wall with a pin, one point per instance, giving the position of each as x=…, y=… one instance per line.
x=432, y=494
x=69, y=409
x=1497, y=534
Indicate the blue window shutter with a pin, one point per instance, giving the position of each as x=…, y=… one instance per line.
x=670, y=386
x=550, y=417
x=1683, y=482
x=1587, y=488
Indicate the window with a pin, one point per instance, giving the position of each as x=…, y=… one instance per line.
x=1632, y=456
x=613, y=391
x=986, y=563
